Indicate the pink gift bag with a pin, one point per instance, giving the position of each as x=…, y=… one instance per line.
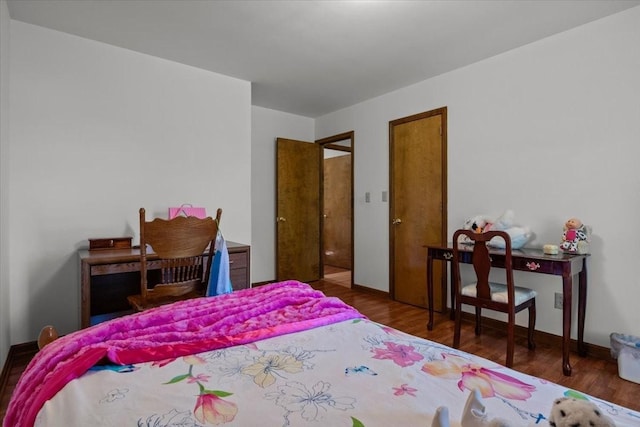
x=187, y=209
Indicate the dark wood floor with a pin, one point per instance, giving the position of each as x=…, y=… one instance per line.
x=595, y=376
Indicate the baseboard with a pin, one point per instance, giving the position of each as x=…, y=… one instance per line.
x=253, y=285
x=368, y=290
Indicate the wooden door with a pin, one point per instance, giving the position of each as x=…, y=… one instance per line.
x=337, y=210
x=297, y=210
x=418, y=158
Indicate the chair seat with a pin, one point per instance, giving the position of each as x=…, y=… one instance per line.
x=499, y=293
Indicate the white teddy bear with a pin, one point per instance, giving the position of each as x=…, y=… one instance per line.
x=571, y=412
x=481, y=223
x=519, y=235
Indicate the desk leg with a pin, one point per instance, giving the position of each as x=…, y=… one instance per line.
x=582, y=307
x=454, y=282
x=85, y=295
x=567, y=287
x=430, y=289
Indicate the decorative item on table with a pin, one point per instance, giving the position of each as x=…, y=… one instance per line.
x=187, y=209
x=104, y=243
x=575, y=237
x=482, y=223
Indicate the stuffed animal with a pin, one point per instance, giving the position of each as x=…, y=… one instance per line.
x=480, y=224
x=571, y=412
x=519, y=235
x=575, y=237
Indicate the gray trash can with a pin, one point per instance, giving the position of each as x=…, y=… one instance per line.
x=626, y=348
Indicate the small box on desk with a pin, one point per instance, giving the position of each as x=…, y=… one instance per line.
x=110, y=243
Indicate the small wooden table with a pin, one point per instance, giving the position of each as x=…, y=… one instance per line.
x=534, y=261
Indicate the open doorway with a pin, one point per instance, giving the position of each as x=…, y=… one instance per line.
x=337, y=209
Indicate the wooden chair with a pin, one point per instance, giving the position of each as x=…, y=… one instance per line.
x=507, y=298
x=179, y=243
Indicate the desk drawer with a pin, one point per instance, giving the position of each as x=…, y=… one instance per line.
x=238, y=260
x=445, y=254
x=533, y=265
x=239, y=266
x=125, y=267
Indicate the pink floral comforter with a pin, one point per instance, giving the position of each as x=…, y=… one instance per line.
x=172, y=331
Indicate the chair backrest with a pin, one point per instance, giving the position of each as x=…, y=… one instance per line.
x=179, y=243
x=481, y=260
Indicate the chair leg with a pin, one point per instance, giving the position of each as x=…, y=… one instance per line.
x=458, y=325
x=478, y=320
x=532, y=324
x=510, y=339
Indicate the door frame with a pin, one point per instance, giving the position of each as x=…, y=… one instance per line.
x=330, y=142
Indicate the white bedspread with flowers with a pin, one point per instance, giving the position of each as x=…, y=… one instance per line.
x=351, y=373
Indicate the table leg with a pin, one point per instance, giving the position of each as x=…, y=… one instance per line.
x=430, y=289
x=85, y=295
x=454, y=281
x=567, y=286
x=582, y=307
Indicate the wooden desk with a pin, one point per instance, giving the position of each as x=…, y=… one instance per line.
x=107, y=277
x=535, y=261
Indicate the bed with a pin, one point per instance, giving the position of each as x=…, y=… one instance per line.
x=282, y=354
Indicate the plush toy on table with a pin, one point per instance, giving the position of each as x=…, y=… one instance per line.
x=480, y=224
x=575, y=237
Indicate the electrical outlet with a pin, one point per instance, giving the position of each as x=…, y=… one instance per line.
x=558, y=301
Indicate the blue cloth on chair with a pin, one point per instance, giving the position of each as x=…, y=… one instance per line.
x=219, y=277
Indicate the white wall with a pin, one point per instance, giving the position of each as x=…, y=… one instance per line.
x=266, y=126
x=96, y=132
x=4, y=187
x=559, y=121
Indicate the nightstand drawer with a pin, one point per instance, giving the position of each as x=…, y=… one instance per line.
x=239, y=265
x=238, y=260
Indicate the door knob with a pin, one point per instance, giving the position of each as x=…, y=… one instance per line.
x=281, y=219
x=396, y=221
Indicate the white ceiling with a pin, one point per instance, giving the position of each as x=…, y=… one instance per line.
x=314, y=57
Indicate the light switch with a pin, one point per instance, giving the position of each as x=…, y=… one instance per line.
x=384, y=196
x=367, y=197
